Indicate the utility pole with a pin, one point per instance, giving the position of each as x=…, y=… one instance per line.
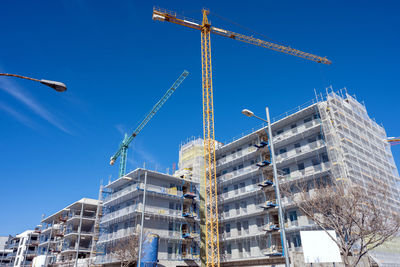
x=277, y=193
x=141, y=225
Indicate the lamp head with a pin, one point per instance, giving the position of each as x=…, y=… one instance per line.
x=247, y=112
x=58, y=86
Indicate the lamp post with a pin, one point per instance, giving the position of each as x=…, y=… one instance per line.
x=249, y=113
x=58, y=86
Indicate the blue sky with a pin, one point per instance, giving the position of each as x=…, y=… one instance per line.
x=117, y=62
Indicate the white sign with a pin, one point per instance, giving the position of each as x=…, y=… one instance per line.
x=319, y=247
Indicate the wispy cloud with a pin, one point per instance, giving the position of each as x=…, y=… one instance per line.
x=18, y=116
x=16, y=92
x=121, y=129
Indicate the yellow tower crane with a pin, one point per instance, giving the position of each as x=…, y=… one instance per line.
x=210, y=180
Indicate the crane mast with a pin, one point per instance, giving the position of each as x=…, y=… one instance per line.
x=211, y=197
x=123, y=147
x=210, y=179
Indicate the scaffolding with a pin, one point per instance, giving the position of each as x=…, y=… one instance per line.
x=356, y=144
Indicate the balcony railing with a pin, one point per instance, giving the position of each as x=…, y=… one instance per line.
x=140, y=186
x=235, y=155
x=295, y=131
x=242, y=192
x=234, y=174
x=311, y=170
x=299, y=151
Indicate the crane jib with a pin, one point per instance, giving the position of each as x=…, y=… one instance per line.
x=122, y=151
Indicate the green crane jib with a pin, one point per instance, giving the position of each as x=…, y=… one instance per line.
x=123, y=147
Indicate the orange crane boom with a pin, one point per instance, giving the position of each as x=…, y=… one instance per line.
x=394, y=141
x=210, y=179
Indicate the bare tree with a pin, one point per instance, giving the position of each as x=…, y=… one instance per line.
x=126, y=250
x=357, y=214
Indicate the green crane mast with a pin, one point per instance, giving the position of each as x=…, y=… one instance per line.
x=123, y=147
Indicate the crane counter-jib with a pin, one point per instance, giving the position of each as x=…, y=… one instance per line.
x=122, y=151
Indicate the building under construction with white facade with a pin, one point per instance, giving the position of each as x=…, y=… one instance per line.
x=67, y=236
x=170, y=211
x=330, y=138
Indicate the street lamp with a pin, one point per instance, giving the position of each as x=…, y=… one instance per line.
x=249, y=113
x=58, y=86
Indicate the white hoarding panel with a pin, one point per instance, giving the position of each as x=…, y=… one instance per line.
x=319, y=247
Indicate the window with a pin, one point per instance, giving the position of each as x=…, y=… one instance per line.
x=316, y=116
x=292, y=216
x=315, y=162
x=170, y=251
x=279, y=132
x=171, y=205
x=229, y=249
x=244, y=206
x=236, y=187
x=247, y=247
x=246, y=226
x=242, y=186
x=286, y=171
x=311, y=140
x=300, y=166
x=240, y=166
x=224, y=172
x=282, y=150
x=237, y=207
x=297, y=145
x=260, y=222
x=239, y=228
x=240, y=248
x=324, y=157
x=178, y=206
x=307, y=120
x=293, y=126
x=228, y=228
x=297, y=241
x=226, y=209
x=255, y=181
x=225, y=190
x=171, y=228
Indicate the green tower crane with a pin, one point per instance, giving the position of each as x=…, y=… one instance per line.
x=123, y=147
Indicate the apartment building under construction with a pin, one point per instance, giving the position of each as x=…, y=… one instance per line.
x=330, y=138
x=66, y=237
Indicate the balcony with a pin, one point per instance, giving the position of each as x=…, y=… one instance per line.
x=238, y=194
x=241, y=173
x=231, y=158
x=122, y=214
x=299, y=153
x=127, y=192
x=251, y=210
x=297, y=133
x=309, y=172
x=121, y=233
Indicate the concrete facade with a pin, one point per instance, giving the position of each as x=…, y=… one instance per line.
x=67, y=235
x=171, y=212
x=326, y=140
x=331, y=138
x=21, y=249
